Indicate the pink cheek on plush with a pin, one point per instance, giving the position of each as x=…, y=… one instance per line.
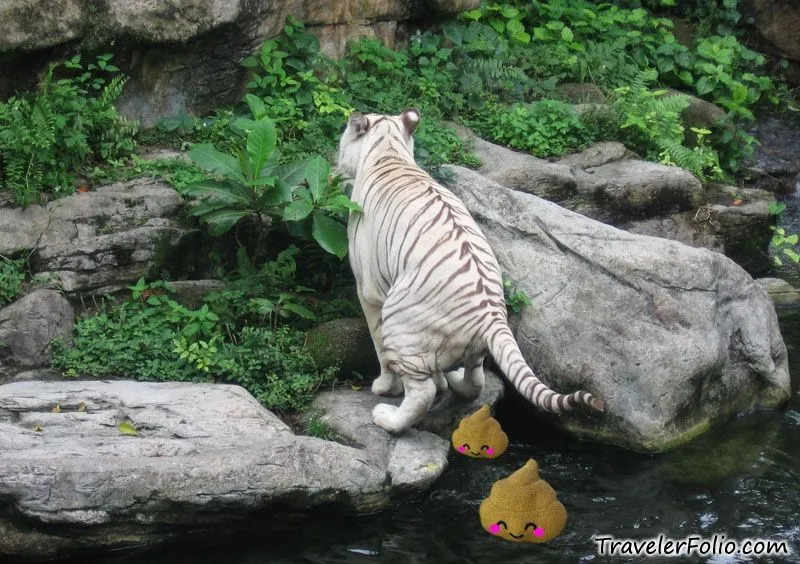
x=494, y=529
x=489, y=451
x=462, y=449
x=538, y=532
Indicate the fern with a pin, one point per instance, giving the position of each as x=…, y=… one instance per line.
x=652, y=125
x=49, y=136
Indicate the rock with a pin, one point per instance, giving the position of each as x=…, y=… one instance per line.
x=191, y=292
x=783, y=295
x=28, y=326
x=775, y=165
x=102, y=240
x=202, y=458
x=607, y=183
x=345, y=343
x=631, y=189
x=21, y=228
x=700, y=113
x=185, y=55
x=581, y=93
x=672, y=338
x=24, y=27
x=596, y=155
x=600, y=183
x=521, y=171
x=777, y=21
x=736, y=222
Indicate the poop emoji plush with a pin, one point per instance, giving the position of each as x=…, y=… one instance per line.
x=480, y=436
x=523, y=508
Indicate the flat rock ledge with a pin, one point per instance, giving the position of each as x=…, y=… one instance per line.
x=203, y=457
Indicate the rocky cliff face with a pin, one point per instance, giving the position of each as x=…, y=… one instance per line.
x=777, y=22
x=185, y=54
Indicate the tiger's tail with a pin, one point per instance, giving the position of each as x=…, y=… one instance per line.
x=506, y=353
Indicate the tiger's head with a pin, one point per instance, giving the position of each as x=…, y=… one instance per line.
x=363, y=127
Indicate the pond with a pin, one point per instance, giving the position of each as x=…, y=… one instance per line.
x=741, y=481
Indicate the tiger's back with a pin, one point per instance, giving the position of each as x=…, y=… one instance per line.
x=427, y=279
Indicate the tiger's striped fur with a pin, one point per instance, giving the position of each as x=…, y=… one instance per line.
x=427, y=280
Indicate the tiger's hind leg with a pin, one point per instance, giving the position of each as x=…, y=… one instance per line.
x=468, y=382
x=387, y=383
x=419, y=396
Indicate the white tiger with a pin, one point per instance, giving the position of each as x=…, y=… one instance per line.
x=427, y=280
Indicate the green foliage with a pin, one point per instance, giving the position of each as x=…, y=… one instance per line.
x=652, y=126
x=12, y=276
x=181, y=131
x=545, y=128
x=49, y=137
x=315, y=426
x=294, y=79
x=516, y=300
x=177, y=172
x=255, y=186
x=153, y=337
x=262, y=296
x=782, y=242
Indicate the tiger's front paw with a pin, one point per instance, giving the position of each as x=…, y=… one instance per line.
x=385, y=416
x=387, y=384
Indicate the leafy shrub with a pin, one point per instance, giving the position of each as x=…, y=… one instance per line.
x=12, y=275
x=294, y=79
x=546, y=128
x=652, y=126
x=152, y=337
x=255, y=186
x=69, y=124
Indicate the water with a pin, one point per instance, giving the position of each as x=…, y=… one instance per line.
x=742, y=480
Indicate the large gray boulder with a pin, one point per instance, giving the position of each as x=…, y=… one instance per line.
x=103, y=240
x=189, y=459
x=29, y=325
x=608, y=183
x=672, y=338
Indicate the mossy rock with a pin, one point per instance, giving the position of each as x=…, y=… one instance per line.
x=581, y=93
x=345, y=343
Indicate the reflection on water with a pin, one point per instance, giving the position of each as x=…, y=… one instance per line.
x=742, y=480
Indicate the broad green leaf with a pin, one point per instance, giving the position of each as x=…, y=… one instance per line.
x=221, y=221
x=515, y=27
x=260, y=143
x=263, y=181
x=316, y=174
x=567, y=35
x=216, y=191
x=244, y=263
x=342, y=201
x=293, y=173
x=792, y=255
x=330, y=234
x=256, y=105
x=299, y=310
x=297, y=210
x=706, y=84
x=278, y=194
x=127, y=428
x=210, y=159
x=739, y=93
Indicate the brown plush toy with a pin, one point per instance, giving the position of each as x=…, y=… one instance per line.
x=480, y=436
x=523, y=508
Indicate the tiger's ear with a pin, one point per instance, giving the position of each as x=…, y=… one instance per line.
x=358, y=123
x=410, y=119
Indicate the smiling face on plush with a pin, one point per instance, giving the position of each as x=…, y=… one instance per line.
x=523, y=508
x=480, y=436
